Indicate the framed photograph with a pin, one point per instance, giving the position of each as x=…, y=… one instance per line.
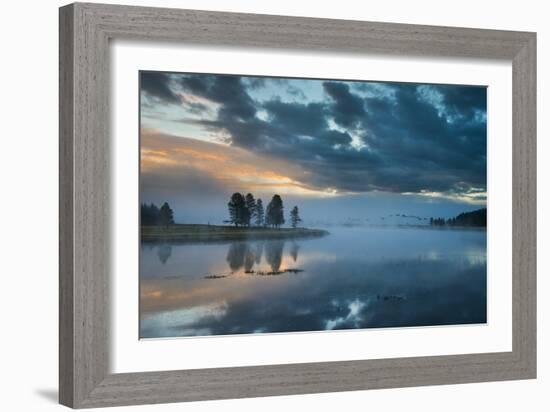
x=256, y=205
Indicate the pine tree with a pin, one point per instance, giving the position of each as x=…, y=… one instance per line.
x=259, y=215
x=274, y=212
x=238, y=213
x=295, y=217
x=149, y=214
x=166, y=215
x=251, y=206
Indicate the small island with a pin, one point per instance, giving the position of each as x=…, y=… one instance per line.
x=247, y=221
x=204, y=233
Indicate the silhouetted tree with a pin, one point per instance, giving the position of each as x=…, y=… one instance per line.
x=477, y=218
x=251, y=206
x=295, y=217
x=238, y=212
x=259, y=213
x=438, y=221
x=149, y=214
x=274, y=213
x=166, y=215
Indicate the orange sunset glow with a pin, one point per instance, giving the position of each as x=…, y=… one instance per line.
x=230, y=167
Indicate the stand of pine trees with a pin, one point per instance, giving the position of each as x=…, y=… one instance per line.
x=477, y=218
x=247, y=211
x=243, y=211
x=152, y=215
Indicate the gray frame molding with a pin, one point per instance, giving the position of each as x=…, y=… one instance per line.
x=85, y=31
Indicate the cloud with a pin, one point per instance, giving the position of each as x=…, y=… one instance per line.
x=156, y=85
x=353, y=318
x=228, y=91
x=296, y=92
x=360, y=137
x=295, y=119
x=348, y=109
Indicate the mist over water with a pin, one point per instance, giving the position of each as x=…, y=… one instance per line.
x=356, y=277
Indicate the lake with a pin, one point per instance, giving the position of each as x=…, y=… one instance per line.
x=355, y=277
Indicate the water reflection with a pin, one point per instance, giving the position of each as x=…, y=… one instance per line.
x=248, y=255
x=274, y=254
x=258, y=252
x=164, y=253
x=235, y=255
x=294, y=248
x=350, y=279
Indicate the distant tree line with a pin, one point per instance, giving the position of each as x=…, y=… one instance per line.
x=477, y=218
x=152, y=215
x=243, y=211
x=247, y=211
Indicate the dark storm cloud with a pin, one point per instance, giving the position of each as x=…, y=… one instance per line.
x=228, y=91
x=465, y=100
x=297, y=118
x=426, y=151
x=397, y=138
x=237, y=111
x=348, y=108
x=156, y=84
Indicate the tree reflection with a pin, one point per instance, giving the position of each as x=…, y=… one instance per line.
x=164, y=252
x=244, y=255
x=274, y=254
x=294, y=251
x=249, y=259
x=236, y=254
x=259, y=252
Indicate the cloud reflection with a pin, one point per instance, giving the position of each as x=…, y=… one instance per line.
x=427, y=279
x=353, y=318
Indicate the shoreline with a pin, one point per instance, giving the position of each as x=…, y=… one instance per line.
x=216, y=233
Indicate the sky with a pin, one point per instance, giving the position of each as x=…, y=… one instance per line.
x=362, y=149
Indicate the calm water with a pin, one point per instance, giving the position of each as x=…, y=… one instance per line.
x=352, y=278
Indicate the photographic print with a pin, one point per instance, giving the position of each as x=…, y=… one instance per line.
x=272, y=205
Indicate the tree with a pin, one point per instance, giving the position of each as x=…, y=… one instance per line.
x=476, y=218
x=251, y=206
x=274, y=212
x=166, y=215
x=259, y=213
x=149, y=214
x=295, y=217
x=238, y=213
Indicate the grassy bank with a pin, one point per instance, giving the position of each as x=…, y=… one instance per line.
x=206, y=233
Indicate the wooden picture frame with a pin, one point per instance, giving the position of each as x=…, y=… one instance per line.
x=85, y=32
